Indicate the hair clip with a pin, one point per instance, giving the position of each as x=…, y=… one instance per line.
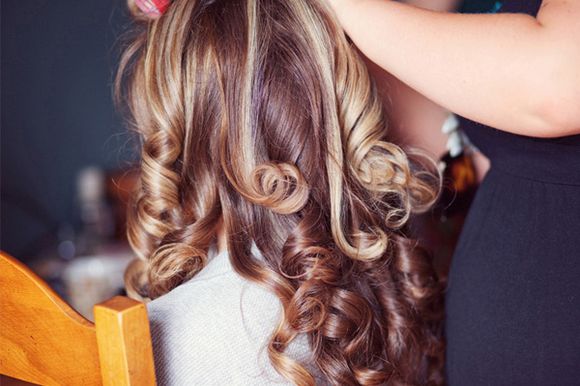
x=153, y=8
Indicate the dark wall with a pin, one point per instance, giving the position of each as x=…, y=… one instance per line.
x=57, y=115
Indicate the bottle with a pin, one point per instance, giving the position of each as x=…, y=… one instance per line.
x=439, y=229
x=458, y=170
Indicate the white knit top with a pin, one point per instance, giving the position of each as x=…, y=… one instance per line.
x=214, y=329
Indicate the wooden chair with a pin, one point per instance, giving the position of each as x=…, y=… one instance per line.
x=44, y=341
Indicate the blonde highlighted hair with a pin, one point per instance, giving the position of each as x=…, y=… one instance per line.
x=259, y=117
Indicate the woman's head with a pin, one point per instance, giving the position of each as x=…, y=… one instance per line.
x=257, y=116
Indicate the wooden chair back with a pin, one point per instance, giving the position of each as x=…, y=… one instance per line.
x=44, y=341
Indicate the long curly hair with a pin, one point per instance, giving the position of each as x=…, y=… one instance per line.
x=259, y=117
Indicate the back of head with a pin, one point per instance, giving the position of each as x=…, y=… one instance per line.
x=257, y=116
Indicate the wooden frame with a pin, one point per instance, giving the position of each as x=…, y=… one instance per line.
x=44, y=341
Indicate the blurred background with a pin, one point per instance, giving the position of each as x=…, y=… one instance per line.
x=66, y=158
x=57, y=116
x=65, y=154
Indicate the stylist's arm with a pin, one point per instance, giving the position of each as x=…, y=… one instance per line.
x=514, y=72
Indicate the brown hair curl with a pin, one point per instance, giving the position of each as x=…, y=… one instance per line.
x=259, y=116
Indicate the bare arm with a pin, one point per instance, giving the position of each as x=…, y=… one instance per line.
x=514, y=72
x=415, y=120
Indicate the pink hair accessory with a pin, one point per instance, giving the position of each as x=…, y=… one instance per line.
x=153, y=8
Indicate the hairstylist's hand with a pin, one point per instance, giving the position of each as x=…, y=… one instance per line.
x=341, y=6
x=435, y=5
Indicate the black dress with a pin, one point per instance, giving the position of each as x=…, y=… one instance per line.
x=513, y=301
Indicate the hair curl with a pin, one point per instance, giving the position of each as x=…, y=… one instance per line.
x=259, y=116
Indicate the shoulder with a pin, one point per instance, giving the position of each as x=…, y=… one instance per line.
x=214, y=330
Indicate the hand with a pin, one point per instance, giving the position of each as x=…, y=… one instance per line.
x=339, y=6
x=435, y=5
x=345, y=9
